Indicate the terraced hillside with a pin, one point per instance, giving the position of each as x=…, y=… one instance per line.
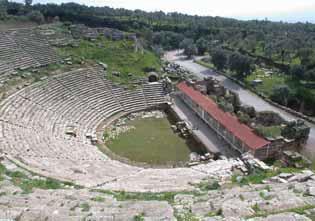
x=24, y=48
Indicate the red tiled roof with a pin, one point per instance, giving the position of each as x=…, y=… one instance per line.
x=230, y=122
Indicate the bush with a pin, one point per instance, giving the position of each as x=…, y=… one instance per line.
x=219, y=58
x=281, y=94
x=272, y=131
x=297, y=71
x=36, y=16
x=209, y=185
x=240, y=64
x=3, y=9
x=244, y=118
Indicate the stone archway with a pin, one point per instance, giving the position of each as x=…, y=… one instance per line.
x=153, y=77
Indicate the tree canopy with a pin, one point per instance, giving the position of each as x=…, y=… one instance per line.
x=219, y=59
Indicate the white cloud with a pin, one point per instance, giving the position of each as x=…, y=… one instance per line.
x=215, y=7
x=226, y=8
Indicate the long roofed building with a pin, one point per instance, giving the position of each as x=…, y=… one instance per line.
x=239, y=136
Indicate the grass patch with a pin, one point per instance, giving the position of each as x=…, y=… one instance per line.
x=256, y=208
x=271, y=131
x=264, y=196
x=14, y=22
x=268, y=82
x=216, y=213
x=255, y=177
x=241, y=197
x=152, y=142
x=208, y=185
x=258, y=176
x=289, y=170
x=118, y=55
x=145, y=196
x=85, y=207
x=263, y=213
x=27, y=184
x=2, y=172
x=124, y=196
x=205, y=64
x=312, y=167
x=186, y=217
x=300, y=210
x=98, y=199
x=139, y=217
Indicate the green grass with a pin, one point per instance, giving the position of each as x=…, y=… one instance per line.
x=145, y=196
x=272, y=131
x=263, y=196
x=118, y=55
x=27, y=184
x=188, y=216
x=14, y=22
x=139, y=217
x=262, y=213
x=153, y=142
x=256, y=177
x=268, y=82
x=98, y=199
x=85, y=207
x=296, y=61
x=256, y=208
x=312, y=167
x=208, y=185
x=214, y=213
x=205, y=64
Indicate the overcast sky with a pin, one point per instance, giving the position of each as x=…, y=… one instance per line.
x=286, y=10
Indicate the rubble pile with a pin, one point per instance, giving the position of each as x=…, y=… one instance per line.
x=253, y=163
x=56, y=37
x=176, y=71
x=294, y=159
x=82, y=31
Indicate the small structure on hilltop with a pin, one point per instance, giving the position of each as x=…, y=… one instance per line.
x=256, y=82
x=153, y=77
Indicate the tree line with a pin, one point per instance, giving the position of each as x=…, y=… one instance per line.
x=233, y=44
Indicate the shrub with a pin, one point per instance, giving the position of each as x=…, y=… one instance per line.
x=209, y=185
x=36, y=16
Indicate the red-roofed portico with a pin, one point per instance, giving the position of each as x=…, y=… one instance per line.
x=238, y=135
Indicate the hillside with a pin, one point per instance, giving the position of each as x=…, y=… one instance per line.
x=120, y=115
x=120, y=56
x=287, y=48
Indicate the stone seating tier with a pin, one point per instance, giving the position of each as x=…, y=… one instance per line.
x=35, y=121
x=24, y=48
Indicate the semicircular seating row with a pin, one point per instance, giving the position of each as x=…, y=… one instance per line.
x=22, y=49
x=34, y=120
